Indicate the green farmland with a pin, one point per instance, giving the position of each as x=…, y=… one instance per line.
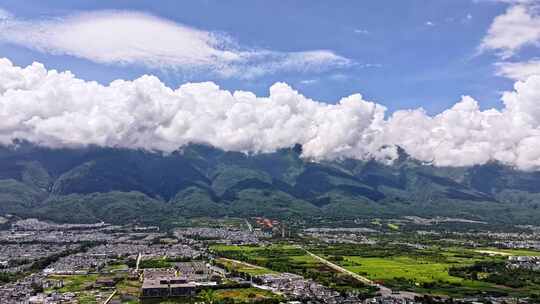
x=422, y=270
x=242, y=267
x=293, y=259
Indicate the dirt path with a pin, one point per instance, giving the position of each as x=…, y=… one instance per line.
x=493, y=252
x=242, y=263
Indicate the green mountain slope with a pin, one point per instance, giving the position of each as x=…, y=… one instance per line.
x=120, y=186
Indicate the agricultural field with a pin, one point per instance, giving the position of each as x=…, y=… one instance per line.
x=236, y=296
x=116, y=267
x=83, y=287
x=421, y=270
x=393, y=226
x=280, y=258
x=292, y=259
x=507, y=252
x=408, y=273
x=74, y=283
x=242, y=267
x=128, y=291
x=155, y=263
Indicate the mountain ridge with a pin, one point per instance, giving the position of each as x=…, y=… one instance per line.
x=122, y=185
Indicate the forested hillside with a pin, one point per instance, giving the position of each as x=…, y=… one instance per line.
x=120, y=186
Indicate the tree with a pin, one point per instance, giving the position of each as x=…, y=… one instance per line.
x=208, y=296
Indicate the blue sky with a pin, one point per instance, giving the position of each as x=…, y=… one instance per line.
x=402, y=54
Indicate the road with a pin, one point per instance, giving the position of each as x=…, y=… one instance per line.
x=249, y=225
x=138, y=261
x=493, y=252
x=108, y=300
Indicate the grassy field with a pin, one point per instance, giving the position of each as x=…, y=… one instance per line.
x=116, y=267
x=128, y=291
x=275, y=257
x=86, y=293
x=155, y=263
x=393, y=226
x=82, y=287
x=240, y=296
x=74, y=283
x=394, y=267
x=508, y=252
x=293, y=259
x=419, y=275
x=242, y=267
x=420, y=270
x=87, y=298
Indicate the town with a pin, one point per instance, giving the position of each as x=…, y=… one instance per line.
x=240, y=261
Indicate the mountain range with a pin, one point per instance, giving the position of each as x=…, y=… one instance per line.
x=133, y=186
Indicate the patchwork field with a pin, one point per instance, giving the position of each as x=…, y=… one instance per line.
x=236, y=295
x=420, y=270
x=242, y=267
x=74, y=283
x=293, y=259
x=413, y=274
x=83, y=288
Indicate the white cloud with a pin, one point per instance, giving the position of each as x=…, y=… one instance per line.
x=361, y=31
x=265, y=62
x=518, y=70
x=128, y=38
x=309, y=81
x=4, y=15
x=371, y=65
x=519, y=26
x=464, y=135
x=429, y=23
x=56, y=109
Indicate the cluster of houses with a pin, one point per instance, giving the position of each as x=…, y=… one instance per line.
x=222, y=235
x=297, y=287
x=184, y=279
x=524, y=262
x=13, y=293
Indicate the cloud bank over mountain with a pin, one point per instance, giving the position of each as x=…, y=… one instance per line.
x=56, y=109
x=135, y=38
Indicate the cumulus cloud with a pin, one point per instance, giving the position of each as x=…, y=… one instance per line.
x=518, y=70
x=56, y=109
x=134, y=38
x=519, y=26
x=464, y=135
x=4, y=15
